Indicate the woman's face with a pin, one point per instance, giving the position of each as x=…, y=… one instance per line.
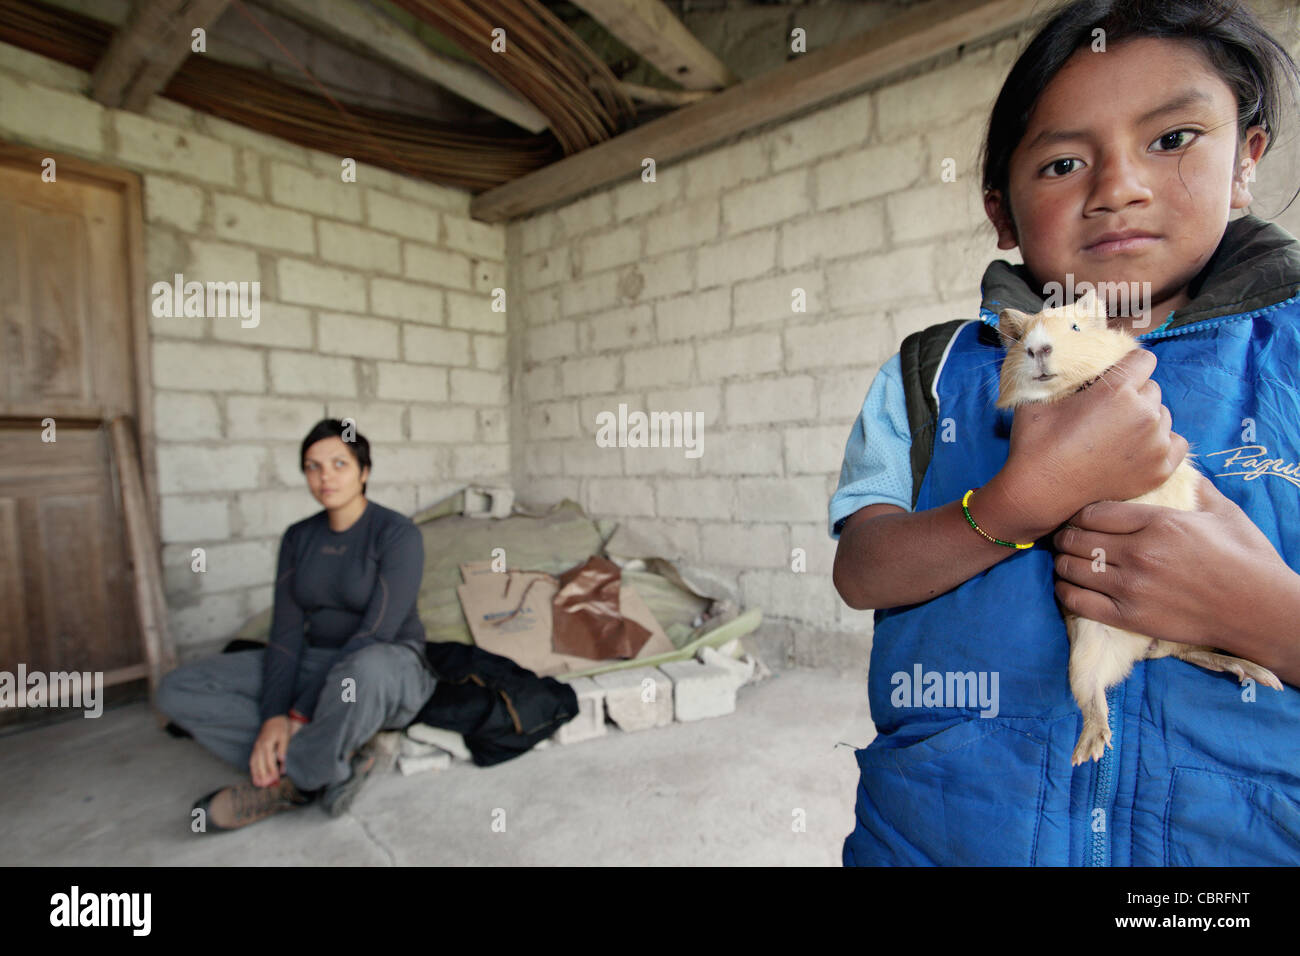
x=332, y=472
x=1140, y=137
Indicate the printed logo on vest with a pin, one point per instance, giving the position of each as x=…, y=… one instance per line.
x=1251, y=462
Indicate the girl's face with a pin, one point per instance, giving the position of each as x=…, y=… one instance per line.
x=332, y=472
x=1140, y=137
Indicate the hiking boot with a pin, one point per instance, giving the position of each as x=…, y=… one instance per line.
x=231, y=808
x=337, y=798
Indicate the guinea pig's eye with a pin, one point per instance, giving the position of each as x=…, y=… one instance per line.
x=1076, y=328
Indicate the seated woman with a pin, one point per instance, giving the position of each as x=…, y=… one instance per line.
x=345, y=657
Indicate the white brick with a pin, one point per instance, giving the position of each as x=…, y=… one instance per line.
x=583, y=456
x=322, y=194
x=545, y=268
x=666, y=365
x=436, y=266
x=868, y=281
x=40, y=115
x=170, y=202
x=590, y=212
x=416, y=383
x=453, y=425
x=765, y=300
x=185, y=417
x=590, y=294
x=362, y=249
x=833, y=235
x=815, y=450
x=742, y=258
x=187, y=519
x=214, y=616
x=488, y=276
x=770, y=201
x=252, y=181
x=153, y=145
x=493, y=425
x=826, y=131
x=378, y=421
x=489, y=351
x=859, y=340
x=724, y=168
x=745, y=452
x=278, y=326
x=301, y=373
x=590, y=720
x=708, y=499
x=421, y=343
x=952, y=93
x=783, y=499
x=620, y=496
x=356, y=336
x=474, y=312
x=487, y=240
x=551, y=341
x=480, y=462
x=665, y=275
x=220, y=262
x=619, y=329
x=402, y=217
x=636, y=197
x=327, y=286
x=186, y=469
x=771, y=400
x=609, y=249
x=406, y=300
x=637, y=698
x=706, y=399
x=700, y=690
x=542, y=383
x=258, y=417
x=207, y=367
x=551, y=420
x=747, y=545
x=238, y=564
x=697, y=315
x=691, y=225
x=409, y=463
x=536, y=232
x=740, y=355
x=802, y=597
x=927, y=212
x=257, y=224
x=584, y=376
x=865, y=174
x=472, y=387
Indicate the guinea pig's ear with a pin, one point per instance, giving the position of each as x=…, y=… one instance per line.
x=1089, y=306
x=1011, y=324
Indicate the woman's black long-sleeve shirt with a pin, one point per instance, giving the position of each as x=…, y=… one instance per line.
x=342, y=589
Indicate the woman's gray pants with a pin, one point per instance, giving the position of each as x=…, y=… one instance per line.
x=219, y=699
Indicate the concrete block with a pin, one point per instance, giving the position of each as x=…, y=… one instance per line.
x=590, y=721
x=700, y=690
x=638, y=698
x=437, y=761
x=448, y=740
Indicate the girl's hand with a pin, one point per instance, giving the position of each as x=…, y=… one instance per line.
x=1109, y=441
x=267, y=761
x=1197, y=577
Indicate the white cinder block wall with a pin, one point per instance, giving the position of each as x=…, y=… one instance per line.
x=676, y=295
x=375, y=305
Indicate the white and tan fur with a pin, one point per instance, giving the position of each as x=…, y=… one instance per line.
x=1050, y=356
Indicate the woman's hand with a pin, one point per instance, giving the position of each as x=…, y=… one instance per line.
x=267, y=761
x=1111, y=441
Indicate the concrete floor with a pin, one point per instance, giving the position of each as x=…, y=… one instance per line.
x=118, y=790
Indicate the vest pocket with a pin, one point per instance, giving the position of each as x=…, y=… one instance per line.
x=970, y=795
x=1214, y=819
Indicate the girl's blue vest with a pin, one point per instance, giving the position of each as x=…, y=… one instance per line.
x=1197, y=774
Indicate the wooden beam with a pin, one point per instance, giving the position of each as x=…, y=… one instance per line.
x=653, y=31
x=658, y=97
x=148, y=50
x=797, y=87
x=381, y=37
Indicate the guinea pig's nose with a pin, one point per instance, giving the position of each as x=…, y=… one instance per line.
x=1041, y=352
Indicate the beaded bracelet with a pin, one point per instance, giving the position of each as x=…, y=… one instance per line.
x=971, y=521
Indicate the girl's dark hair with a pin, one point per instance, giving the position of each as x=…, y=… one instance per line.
x=333, y=427
x=1254, y=65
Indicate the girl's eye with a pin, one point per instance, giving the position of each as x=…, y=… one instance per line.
x=1175, y=133
x=1076, y=327
x=1055, y=164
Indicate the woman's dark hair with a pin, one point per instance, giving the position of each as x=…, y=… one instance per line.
x=333, y=427
x=1254, y=65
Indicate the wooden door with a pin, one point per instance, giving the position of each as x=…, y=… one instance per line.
x=68, y=347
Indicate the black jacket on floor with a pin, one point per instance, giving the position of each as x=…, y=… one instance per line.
x=500, y=708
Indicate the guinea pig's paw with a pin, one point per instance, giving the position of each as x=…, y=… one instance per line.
x=1092, y=743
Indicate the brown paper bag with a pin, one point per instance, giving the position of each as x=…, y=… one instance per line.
x=586, y=616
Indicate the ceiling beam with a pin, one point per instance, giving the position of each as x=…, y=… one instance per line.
x=365, y=27
x=652, y=31
x=798, y=87
x=148, y=49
